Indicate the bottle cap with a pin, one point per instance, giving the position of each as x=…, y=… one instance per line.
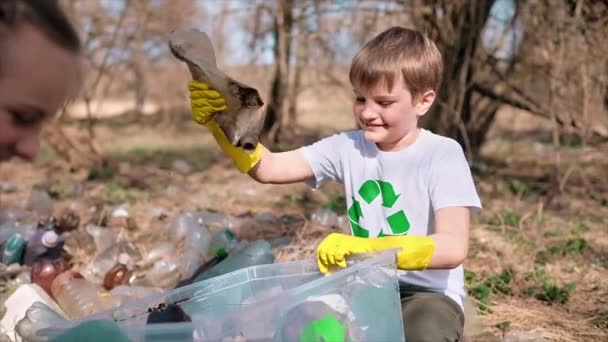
x=124, y=258
x=49, y=239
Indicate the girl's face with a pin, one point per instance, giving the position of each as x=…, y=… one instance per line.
x=36, y=77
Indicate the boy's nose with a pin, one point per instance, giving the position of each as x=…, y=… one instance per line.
x=368, y=113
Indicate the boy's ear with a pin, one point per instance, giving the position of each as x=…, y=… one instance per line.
x=425, y=101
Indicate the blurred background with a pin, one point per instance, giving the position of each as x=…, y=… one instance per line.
x=525, y=92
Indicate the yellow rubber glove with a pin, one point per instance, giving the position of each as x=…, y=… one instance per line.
x=415, y=254
x=205, y=102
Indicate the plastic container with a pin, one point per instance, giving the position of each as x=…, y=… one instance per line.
x=38, y=316
x=265, y=302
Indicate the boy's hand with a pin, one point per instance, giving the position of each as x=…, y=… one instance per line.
x=415, y=254
x=204, y=103
x=335, y=247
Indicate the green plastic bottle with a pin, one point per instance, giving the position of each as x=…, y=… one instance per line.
x=13, y=249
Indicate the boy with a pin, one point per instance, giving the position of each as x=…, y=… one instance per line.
x=405, y=186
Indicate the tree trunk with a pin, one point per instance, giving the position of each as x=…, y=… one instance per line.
x=278, y=93
x=457, y=33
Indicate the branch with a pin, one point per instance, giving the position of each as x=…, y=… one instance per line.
x=487, y=92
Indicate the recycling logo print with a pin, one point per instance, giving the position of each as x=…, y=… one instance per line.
x=369, y=191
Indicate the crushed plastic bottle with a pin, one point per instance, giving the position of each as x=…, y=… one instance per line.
x=163, y=250
x=103, y=238
x=245, y=255
x=10, y=228
x=43, y=244
x=79, y=297
x=44, y=271
x=523, y=336
x=325, y=217
x=217, y=220
x=297, y=324
x=194, y=239
x=120, y=217
x=40, y=201
x=223, y=242
x=68, y=221
x=13, y=249
x=12, y=215
x=119, y=274
x=38, y=316
x=164, y=273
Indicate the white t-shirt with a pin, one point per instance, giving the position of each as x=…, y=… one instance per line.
x=396, y=193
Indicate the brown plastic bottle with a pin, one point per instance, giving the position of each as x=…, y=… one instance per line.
x=119, y=274
x=44, y=271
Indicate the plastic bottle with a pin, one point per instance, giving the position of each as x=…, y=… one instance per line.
x=164, y=273
x=255, y=253
x=218, y=220
x=12, y=215
x=68, y=221
x=194, y=239
x=222, y=243
x=105, y=260
x=104, y=238
x=325, y=217
x=45, y=243
x=79, y=297
x=13, y=249
x=45, y=271
x=40, y=202
x=119, y=274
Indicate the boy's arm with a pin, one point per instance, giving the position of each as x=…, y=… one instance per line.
x=281, y=167
x=451, y=237
x=445, y=249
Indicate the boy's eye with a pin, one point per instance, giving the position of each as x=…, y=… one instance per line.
x=360, y=99
x=24, y=119
x=385, y=103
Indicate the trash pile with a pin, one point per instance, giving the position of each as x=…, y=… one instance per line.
x=56, y=269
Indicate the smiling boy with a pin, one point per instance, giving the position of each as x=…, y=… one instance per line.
x=406, y=187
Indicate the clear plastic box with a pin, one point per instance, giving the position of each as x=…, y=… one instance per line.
x=288, y=301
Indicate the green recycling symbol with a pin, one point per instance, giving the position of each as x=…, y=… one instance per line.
x=369, y=191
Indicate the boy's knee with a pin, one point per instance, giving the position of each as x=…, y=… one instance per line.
x=432, y=317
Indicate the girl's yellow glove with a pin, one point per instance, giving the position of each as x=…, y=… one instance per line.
x=415, y=254
x=204, y=103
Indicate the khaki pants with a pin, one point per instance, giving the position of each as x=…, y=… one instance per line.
x=431, y=317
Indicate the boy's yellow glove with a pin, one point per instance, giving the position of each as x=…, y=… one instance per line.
x=416, y=251
x=205, y=102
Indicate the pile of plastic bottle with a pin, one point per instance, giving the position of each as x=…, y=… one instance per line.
x=37, y=251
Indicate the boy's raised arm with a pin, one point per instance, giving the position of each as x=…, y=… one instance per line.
x=281, y=167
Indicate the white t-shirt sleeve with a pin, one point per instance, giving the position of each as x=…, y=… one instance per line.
x=451, y=182
x=325, y=159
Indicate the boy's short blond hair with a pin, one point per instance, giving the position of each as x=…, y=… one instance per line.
x=395, y=50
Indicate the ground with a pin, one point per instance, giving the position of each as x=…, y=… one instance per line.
x=538, y=259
